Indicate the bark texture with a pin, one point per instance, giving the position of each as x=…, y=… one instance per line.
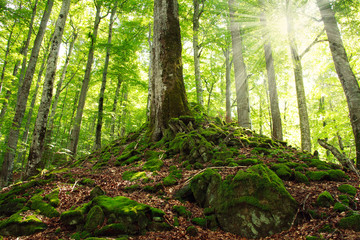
x=168, y=99
x=8, y=163
x=38, y=138
x=241, y=79
x=196, y=25
x=343, y=69
x=274, y=99
x=228, y=84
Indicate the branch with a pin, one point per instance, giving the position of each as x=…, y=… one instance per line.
x=313, y=43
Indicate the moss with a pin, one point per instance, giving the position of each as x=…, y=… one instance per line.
x=36, y=203
x=132, y=188
x=313, y=238
x=113, y=229
x=261, y=149
x=198, y=166
x=94, y=219
x=247, y=162
x=218, y=163
x=53, y=198
x=199, y=221
x=325, y=199
x=11, y=206
x=348, y=189
x=284, y=174
x=72, y=217
x=96, y=191
x=181, y=211
x=337, y=175
x=133, y=175
x=18, y=225
x=209, y=211
x=153, y=165
x=339, y=207
x=169, y=180
x=352, y=222
x=192, y=231
x=301, y=178
x=317, y=175
x=176, y=222
x=87, y=182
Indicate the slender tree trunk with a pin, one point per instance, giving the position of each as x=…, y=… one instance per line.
x=228, y=84
x=7, y=167
x=124, y=113
x=23, y=52
x=38, y=138
x=74, y=138
x=169, y=97
x=241, y=79
x=103, y=83
x=343, y=69
x=113, y=122
x=274, y=100
x=149, y=76
x=299, y=83
x=196, y=17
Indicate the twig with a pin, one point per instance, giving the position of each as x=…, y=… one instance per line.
x=72, y=189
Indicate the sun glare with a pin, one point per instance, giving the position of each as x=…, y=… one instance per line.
x=280, y=25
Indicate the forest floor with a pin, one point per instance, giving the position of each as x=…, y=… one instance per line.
x=74, y=193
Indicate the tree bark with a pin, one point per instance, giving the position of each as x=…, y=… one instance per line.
x=196, y=17
x=8, y=163
x=299, y=83
x=103, y=83
x=241, y=78
x=274, y=100
x=113, y=123
x=38, y=138
x=343, y=69
x=74, y=138
x=169, y=98
x=228, y=84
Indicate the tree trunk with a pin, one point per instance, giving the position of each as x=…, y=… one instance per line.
x=169, y=98
x=196, y=17
x=74, y=138
x=274, y=100
x=113, y=123
x=103, y=83
x=228, y=84
x=8, y=163
x=299, y=83
x=38, y=138
x=149, y=77
x=343, y=69
x=241, y=79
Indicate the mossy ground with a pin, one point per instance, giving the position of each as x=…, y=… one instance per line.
x=225, y=148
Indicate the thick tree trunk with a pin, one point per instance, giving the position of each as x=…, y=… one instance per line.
x=103, y=83
x=241, y=79
x=343, y=69
x=113, y=122
x=23, y=94
x=228, y=84
x=74, y=138
x=299, y=83
x=274, y=100
x=196, y=17
x=169, y=98
x=38, y=138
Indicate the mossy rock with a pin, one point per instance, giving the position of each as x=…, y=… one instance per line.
x=202, y=222
x=192, y=231
x=113, y=229
x=37, y=203
x=18, y=225
x=11, y=206
x=181, y=211
x=325, y=199
x=339, y=207
x=96, y=191
x=72, y=217
x=153, y=165
x=352, y=222
x=94, y=219
x=317, y=175
x=87, y=182
x=133, y=175
x=300, y=178
x=247, y=162
x=337, y=175
x=169, y=180
x=53, y=198
x=348, y=189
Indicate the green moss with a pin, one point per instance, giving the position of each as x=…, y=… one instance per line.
x=352, y=222
x=339, y=207
x=301, y=178
x=18, y=225
x=132, y=188
x=313, y=238
x=96, y=191
x=325, y=199
x=181, y=211
x=337, y=175
x=169, y=180
x=36, y=203
x=198, y=166
x=176, y=222
x=348, y=189
x=199, y=221
x=317, y=175
x=283, y=173
x=247, y=162
x=133, y=175
x=53, y=198
x=209, y=211
x=113, y=229
x=72, y=217
x=94, y=219
x=192, y=231
x=153, y=165
x=87, y=182
x=11, y=205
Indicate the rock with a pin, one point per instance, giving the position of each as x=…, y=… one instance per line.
x=72, y=217
x=18, y=225
x=346, y=188
x=97, y=191
x=37, y=203
x=352, y=222
x=11, y=206
x=325, y=199
x=248, y=203
x=94, y=219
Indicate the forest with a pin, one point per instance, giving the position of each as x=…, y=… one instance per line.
x=169, y=107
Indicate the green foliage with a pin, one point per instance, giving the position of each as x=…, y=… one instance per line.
x=346, y=188
x=153, y=165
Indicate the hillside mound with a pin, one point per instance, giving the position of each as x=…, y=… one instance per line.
x=204, y=179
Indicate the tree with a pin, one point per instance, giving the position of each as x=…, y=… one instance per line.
x=241, y=78
x=299, y=82
x=346, y=76
x=38, y=138
x=196, y=46
x=168, y=99
x=103, y=83
x=7, y=167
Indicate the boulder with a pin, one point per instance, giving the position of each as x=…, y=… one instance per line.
x=246, y=204
x=18, y=225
